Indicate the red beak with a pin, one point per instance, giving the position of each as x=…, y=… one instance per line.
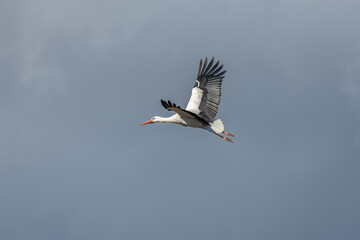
x=146, y=122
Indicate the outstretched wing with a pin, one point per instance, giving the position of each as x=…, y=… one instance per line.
x=206, y=93
x=183, y=113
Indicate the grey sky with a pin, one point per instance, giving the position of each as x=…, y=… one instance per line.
x=78, y=77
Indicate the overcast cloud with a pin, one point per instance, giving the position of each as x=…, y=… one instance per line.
x=78, y=77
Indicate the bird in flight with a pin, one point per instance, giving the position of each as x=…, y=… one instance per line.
x=203, y=104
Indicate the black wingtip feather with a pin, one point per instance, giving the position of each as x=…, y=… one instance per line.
x=164, y=104
x=209, y=70
x=214, y=68
x=209, y=65
x=168, y=105
x=200, y=65
x=204, y=66
x=217, y=70
x=220, y=74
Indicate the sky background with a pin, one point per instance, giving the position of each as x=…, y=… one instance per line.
x=78, y=77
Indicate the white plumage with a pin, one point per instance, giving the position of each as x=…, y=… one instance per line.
x=195, y=100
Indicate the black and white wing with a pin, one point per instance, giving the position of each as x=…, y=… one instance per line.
x=206, y=93
x=182, y=112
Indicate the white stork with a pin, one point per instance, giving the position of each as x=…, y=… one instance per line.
x=203, y=104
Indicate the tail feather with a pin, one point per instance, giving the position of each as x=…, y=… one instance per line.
x=217, y=126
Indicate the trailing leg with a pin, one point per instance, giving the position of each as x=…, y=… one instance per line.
x=229, y=134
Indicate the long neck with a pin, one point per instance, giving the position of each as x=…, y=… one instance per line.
x=172, y=119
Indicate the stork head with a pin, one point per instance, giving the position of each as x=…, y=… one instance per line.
x=152, y=120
